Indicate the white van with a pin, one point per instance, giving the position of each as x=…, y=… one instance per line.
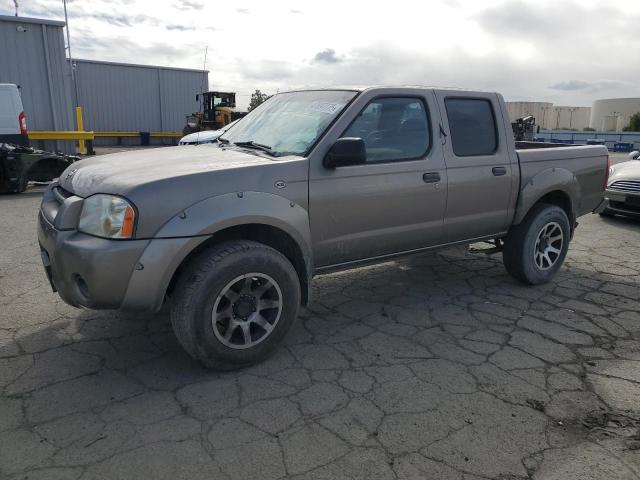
x=13, y=122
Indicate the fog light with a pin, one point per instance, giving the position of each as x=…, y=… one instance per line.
x=83, y=288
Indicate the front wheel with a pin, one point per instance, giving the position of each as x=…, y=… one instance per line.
x=535, y=249
x=234, y=303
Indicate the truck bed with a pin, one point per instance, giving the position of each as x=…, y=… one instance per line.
x=587, y=163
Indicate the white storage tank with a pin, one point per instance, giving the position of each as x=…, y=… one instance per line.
x=613, y=114
x=569, y=118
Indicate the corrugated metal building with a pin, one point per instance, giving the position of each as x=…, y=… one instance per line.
x=114, y=96
x=32, y=56
x=139, y=98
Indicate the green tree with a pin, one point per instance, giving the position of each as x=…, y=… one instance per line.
x=257, y=98
x=634, y=123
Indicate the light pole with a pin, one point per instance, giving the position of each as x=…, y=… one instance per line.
x=614, y=116
x=571, y=110
x=558, y=110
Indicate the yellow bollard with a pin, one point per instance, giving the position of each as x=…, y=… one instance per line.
x=82, y=148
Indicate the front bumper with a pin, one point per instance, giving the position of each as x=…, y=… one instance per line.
x=87, y=271
x=100, y=273
x=620, y=203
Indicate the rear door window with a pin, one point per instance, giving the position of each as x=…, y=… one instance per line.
x=472, y=125
x=393, y=129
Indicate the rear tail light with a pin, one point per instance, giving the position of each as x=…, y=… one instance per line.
x=607, y=173
x=22, y=119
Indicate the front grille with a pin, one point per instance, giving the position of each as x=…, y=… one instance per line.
x=626, y=186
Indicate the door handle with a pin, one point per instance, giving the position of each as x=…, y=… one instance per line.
x=499, y=171
x=431, y=177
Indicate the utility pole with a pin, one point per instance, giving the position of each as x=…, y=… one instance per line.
x=15, y=2
x=73, y=74
x=204, y=76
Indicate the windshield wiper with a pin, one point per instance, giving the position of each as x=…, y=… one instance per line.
x=257, y=146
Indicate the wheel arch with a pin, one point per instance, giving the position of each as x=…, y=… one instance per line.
x=267, y=218
x=555, y=186
x=269, y=235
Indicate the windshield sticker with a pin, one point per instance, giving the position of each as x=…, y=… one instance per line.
x=325, y=107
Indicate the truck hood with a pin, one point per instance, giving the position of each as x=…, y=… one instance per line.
x=161, y=182
x=120, y=173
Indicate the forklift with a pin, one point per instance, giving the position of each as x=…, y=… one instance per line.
x=216, y=111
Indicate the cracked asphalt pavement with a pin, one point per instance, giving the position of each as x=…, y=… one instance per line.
x=438, y=366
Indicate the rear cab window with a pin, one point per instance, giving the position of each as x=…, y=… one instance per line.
x=472, y=124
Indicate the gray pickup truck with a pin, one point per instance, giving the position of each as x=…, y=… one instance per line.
x=231, y=234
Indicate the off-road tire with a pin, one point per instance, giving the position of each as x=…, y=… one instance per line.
x=201, y=282
x=519, y=246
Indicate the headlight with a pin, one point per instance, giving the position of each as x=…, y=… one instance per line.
x=107, y=216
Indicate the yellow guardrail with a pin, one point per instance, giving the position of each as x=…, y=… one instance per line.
x=60, y=135
x=117, y=134
x=85, y=139
x=137, y=134
x=167, y=134
x=81, y=136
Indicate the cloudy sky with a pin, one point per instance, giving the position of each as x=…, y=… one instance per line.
x=564, y=51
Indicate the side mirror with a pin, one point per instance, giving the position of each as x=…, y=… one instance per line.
x=346, y=151
x=635, y=155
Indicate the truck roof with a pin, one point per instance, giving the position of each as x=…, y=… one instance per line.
x=361, y=88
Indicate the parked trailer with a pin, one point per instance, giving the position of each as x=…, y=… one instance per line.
x=20, y=164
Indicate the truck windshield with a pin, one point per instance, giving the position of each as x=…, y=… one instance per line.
x=289, y=123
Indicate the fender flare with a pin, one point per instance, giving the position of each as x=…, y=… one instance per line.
x=177, y=238
x=547, y=181
x=223, y=211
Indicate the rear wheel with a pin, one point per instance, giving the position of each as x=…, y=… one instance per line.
x=535, y=249
x=234, y=303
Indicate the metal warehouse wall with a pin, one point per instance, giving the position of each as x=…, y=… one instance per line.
x=32, y=56
x=139, y=98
